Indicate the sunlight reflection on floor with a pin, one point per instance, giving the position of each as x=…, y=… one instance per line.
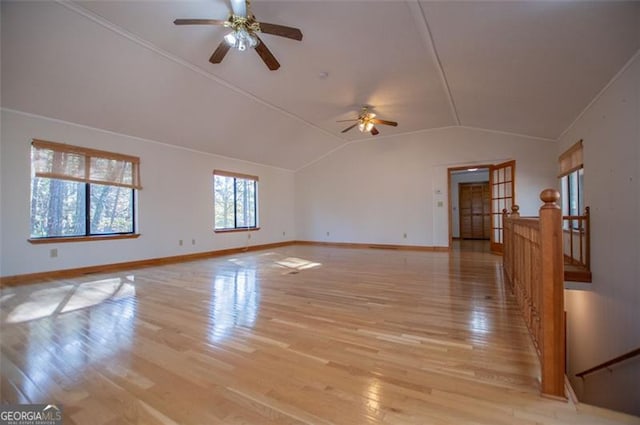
x=63, y=299
x=293, y=263
x=235, y=301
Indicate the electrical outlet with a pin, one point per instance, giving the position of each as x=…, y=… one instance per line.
x=180, y=242
x=193, y=241
x=248, y=235
x=404, y=235
x=327, y=233
x=284, y=233
x=53, y=253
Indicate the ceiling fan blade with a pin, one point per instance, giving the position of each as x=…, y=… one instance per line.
x=281, y=30
x=220, y=52
x=349, y=128
x=198, y=22
x=385, y=122
x=355, y=119
x=239, y=7
x=267, y=56
x=374, y=131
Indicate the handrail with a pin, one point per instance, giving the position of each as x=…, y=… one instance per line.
x=534, y=269
x=613, y=361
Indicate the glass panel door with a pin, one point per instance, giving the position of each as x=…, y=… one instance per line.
x=502, y=181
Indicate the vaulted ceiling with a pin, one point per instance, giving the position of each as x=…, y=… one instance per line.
x=526, y=67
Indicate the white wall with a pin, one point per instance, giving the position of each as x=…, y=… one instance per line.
x=374, y=191
x=456, y=179
x=604, y=316
x=175, y=202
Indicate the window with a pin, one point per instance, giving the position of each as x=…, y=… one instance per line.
x=572, y=184
x=235, y=201
x=572, y=197
x=78, y=192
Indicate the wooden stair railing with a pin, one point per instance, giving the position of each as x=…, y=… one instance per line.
x=621, y=358
x=577, y=247
x=533, y=263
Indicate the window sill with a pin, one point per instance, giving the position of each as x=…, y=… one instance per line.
x=582, y=276
x=37, y=241
x=241, y=229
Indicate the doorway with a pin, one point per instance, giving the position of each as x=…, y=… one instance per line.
x=461, y=213
x=470, y=218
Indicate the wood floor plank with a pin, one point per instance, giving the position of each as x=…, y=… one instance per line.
x=294, y=335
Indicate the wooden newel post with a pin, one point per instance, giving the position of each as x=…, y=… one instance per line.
x=552, y=296
x=515, y=210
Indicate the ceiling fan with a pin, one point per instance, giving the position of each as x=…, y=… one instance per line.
x=366, y=122
x=244, y=33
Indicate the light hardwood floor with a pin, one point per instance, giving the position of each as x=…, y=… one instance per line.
x=294, y=335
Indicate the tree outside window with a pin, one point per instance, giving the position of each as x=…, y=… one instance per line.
x=235, y=204
x=572, y=194
x=77, y=191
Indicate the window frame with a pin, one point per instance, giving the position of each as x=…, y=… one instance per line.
x=567, y=182
x=572, y=174
x=235, y=177
x=89, y=181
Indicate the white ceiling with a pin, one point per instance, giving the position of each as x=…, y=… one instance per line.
x=526, y=67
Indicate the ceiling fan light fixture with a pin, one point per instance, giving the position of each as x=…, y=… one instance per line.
x=365, y=125
x=230, y=38
x=241, y=39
